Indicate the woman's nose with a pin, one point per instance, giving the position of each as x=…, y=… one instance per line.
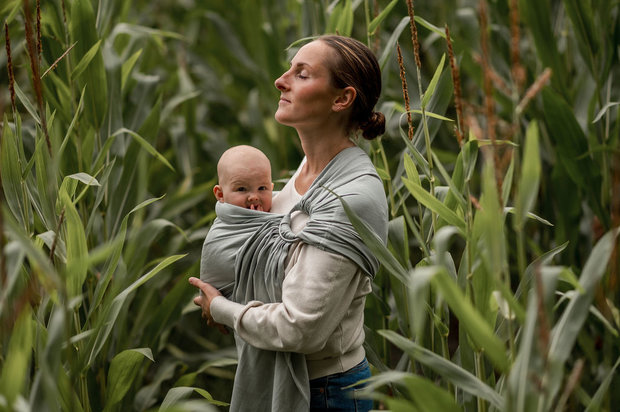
x=280, y=82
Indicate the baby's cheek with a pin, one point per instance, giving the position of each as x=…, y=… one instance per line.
x=267, y=203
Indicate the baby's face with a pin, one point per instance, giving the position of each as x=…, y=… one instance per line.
x=246, y=186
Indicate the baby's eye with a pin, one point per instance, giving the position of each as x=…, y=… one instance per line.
x=263, y=188
x=240, y=189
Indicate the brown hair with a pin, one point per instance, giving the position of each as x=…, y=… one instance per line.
x=357, y=67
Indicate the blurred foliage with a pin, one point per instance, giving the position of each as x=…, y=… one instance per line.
x=499, y=288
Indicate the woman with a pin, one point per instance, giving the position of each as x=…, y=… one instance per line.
x=312, y=267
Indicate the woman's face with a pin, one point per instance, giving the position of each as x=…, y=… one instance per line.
x=307, y=94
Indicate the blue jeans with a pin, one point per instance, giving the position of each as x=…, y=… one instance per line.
x=328, y=394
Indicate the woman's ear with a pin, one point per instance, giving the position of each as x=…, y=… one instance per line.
x=345, y=99
x=219, y=194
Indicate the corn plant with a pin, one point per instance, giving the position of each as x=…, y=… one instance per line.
x=499, y=284
x=485, y=320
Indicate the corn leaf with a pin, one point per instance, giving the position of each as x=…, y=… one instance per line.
x=16, y=364
x=174, y=395
x=572, y=150
x=530, y=176
x=11, y=171
x=128, y=67
x=123, y=371
x=478, y=329
x=564, y=333
x=108, y=320
x=435, y=205
x=84, y=31
x=85, y=61
x=77, y=250
x=375, y=244
x=430, y=90
x=537, y=15
x=374, y=24
x=145, y=145
x=602, y=390
x=452, y=372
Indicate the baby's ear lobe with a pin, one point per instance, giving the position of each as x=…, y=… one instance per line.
x=217, y=191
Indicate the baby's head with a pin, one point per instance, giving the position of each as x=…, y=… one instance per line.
x=244, y=178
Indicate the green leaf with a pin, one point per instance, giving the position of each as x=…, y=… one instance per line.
x=123, y=371
x=425, y=395
x=604, y=110
x=74, y=120
x=425, y=23
x=435, y=205
x=430, y=90
x=345, y=22
x=83, y=30
x=477, y=328
x=128, y=67
x=586, y=31
x=375, y=244
x=390, y=47
x=455, y=192
x=410, y=168
x=16, y=363
x=489, y=225
x=27, y=103
x=537, y=16
x=450, y=371
x=146, y=145
x=597, y=399
x=507, y=181
x=433, y=115
x=530, y=215
x=177, y=394
x=374, y=24
x=530, y=176
x=519, y=380
x=341, y=19
x=571, y=146
x=107, y=322
x=85, y=61
x=77, y=249
x=11, y=171
x=85, y=178
x=564, y=333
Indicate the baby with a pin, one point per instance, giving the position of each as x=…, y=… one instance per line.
x=244, y=180
x=244, y=176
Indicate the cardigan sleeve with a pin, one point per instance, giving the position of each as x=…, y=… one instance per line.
x=317, y=291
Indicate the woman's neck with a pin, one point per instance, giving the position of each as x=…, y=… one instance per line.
x=319, y=149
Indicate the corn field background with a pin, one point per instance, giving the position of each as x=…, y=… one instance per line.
x=499, y=288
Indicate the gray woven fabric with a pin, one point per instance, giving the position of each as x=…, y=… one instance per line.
x=230, y=230
x=278, y=381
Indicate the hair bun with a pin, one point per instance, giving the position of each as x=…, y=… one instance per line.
x=374, y=126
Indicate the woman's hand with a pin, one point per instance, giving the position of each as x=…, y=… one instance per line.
x=204, y=301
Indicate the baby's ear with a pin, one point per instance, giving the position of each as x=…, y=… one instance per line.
x=219, y=194
x=271, y=185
